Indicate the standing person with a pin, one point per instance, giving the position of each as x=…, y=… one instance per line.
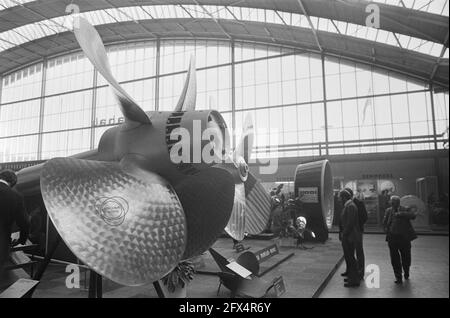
x=12, y=209
x=399, y=234
x=362, y=218
x=350, y=235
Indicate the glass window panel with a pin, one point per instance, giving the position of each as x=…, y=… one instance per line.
x=351, y=133
x=275, y=94
x=302, y=66
x=289, y=93
x=66, y=143
x=316, y=89
x=131, y=61
x=384, y=131
x=380, y=82
x=418, y=107
x=170, y=90
x=68, y=73
x=366, y=111
x=288, y=69
x=68, y=111
x=304, y=115
x=400, y=109
x=19, y=118
x=315, y=66
x=335, y=134
x=397, y=85
x=18, y=149
x=247, y=51
x=334, y=114
x=348, y=81
x=333, y=86
x=331, y=66
x=441, y=109
x=303, y=90
x=318, y=122
x=401, y=130
x=350, y=113
x=364, y=80
x=382, y=106
x=23, y=84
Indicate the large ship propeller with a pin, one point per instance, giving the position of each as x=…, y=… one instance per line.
x=122, y=218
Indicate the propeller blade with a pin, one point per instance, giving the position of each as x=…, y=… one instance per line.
x=236, y=225
x=189, y=94
x=93, y=47
x=125, y=223
x=245, y=147
x=207, y=200
x=257, y=211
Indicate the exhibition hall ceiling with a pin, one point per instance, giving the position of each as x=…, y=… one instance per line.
x=412, y=38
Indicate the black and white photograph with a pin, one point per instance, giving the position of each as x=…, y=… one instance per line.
x=224, y=154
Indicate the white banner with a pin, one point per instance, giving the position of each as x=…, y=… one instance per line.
x=308, y=194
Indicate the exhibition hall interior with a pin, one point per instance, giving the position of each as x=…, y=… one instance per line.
x=224, y=149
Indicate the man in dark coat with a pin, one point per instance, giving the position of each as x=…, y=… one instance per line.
x=350, y=236
x=12, y=210
x=399, y=234
x=362, y=216
x=359, y=248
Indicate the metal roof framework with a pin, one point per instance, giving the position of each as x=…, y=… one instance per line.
x=324, y=26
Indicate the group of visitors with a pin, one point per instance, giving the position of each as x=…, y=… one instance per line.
x=399, y=234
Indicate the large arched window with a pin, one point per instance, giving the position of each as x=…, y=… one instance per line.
x=302, y=104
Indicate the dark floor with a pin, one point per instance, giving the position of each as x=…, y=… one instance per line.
x=429, y=271
x=303, y=273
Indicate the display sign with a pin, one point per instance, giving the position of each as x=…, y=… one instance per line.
x=239, y=247
x=238, y=269
x=267, y=253
x=279, y=286
x=378, y=176
x=308, y=194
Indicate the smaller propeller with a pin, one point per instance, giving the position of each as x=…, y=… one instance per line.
x=246, y=145
x=251, y=209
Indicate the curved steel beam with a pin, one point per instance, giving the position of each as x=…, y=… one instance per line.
x=417, y=65
x=415, y=23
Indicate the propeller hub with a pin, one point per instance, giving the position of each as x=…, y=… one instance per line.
x=243, y=169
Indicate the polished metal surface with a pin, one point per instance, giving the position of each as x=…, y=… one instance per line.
x=207, y=200
x=251, y=210
x=188, y=96
x=257, y=209
x=236, y=225
x=245, y=147
x=125, y=223
x=93, y=47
